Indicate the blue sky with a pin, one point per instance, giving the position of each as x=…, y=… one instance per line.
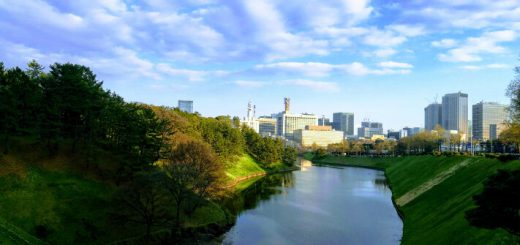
x=382, y=60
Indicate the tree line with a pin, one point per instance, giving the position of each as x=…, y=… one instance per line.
x=169, y=162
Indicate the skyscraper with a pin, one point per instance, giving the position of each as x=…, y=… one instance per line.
x=186, y=105
x=432, y=116
x=455, y=113
x=343, y=121
x=488, y=120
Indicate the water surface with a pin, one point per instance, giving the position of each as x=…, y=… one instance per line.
x=318, y=205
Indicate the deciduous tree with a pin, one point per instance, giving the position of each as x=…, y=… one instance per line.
x=192, y=169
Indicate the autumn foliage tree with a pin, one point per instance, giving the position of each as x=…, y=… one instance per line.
x=192, y=169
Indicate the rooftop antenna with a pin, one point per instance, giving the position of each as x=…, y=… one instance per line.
x=249, y=108
x=287, y=103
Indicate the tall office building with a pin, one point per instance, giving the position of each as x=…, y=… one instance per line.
x=186, y=105
x=488, y=120
x=369, y=129
x=286, y=122
x=455, y=113
x=432, y=116
x=394, y=134
x=323, y=121
x=343, y=121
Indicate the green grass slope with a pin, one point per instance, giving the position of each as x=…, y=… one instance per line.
x=437, y=216
x=244, y=166
x=75, y=208
x=70, y=207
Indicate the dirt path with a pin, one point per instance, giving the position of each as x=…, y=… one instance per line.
x=411, y=195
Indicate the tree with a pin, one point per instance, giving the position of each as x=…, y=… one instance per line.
x=319, y=154
x=498, y=206
x=513, y=91
x=289, y=155
x=144, y=201
x=192, y=168
x=34, y=70
x=511, y=135
x=73, y=101
x=19, y=98
x=226, y=141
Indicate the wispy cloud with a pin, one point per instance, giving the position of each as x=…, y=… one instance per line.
x=249, y=84
x=393, y=64
x=473, y=47
x=483, y=67
x=314, y=85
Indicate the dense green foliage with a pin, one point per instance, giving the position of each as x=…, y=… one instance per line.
x=498, y=206
x=438, y=215
x=513, y=92
x=68, y=125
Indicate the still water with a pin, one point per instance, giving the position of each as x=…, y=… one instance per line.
x=317, y=205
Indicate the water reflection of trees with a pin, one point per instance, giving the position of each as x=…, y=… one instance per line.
x=261, y=190
x=381, y=182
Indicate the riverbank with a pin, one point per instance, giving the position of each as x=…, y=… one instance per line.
x=44, y=193
x=436, y=191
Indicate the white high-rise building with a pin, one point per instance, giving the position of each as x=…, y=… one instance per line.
x=287, y=122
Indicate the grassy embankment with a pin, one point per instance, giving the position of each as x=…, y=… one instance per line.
x=437, y=215
x=74, y=207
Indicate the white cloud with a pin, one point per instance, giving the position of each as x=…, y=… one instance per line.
x=313, y=69
x=271, y=32
x=358, y=10
x=444, y=43
x=408, y=30
x=314, y=85
x=43, y=14
x=383, y=53
x=383, y=38
x=483, y=67
x=191, y=75
x=316, y=69
x=393, y=64
x=250, y=84
x=473, y=47
x=470, y=14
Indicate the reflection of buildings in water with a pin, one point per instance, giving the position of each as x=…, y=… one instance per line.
x=305, y=164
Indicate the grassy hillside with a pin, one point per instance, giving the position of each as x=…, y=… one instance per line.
x=46, y=194
x=437, y=215
x=244, y=166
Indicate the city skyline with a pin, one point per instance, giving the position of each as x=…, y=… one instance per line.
x=376, y=59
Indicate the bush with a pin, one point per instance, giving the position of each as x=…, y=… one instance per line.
x=507, y=157
x=41, y=231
